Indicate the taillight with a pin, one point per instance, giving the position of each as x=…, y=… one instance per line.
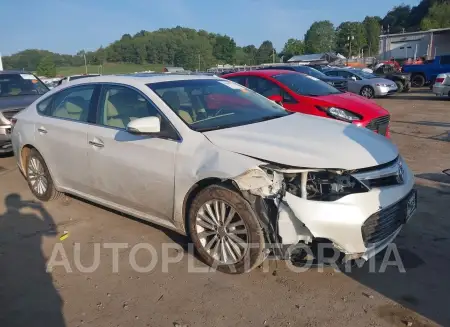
x=13, y=122
x=439, y=80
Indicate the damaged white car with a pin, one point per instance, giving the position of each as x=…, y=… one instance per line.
x=211, y=159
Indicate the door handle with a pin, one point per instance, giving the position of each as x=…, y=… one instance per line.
x=97, y=144
x=42, y=130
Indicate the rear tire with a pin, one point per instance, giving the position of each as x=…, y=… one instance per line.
x=222, y=226
x=418, y=80
x=38, y=177
x=367, y=92
x=399, y=86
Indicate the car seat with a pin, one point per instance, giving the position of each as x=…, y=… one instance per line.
x=173, y=101
x=75, y=108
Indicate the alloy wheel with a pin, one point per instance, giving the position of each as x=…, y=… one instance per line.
x=36, y=176
x=222, y=232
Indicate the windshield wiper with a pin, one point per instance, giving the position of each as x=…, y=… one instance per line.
x=213, y=128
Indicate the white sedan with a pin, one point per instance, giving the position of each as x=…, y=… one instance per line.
x=214, y=160
x=441, y=86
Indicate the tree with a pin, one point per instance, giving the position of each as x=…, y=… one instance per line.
x=438, y=17
x=224, y=49
x=320, y=37
x=372, y=29
x=353, y=32
x=265, y=53
x=46, y=67
x=397, y=20
x=250, y=51
x=292, y=47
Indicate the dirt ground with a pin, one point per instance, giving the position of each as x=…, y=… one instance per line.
x=29, y=296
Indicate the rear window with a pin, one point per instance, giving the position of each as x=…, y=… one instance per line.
x=21, y=84
x=306, y=85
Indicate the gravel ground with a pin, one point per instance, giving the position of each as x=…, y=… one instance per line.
x=269, y=296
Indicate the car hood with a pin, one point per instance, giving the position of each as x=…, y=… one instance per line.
x=355, y=103
x=308, y=141
x=380, y=80
x=17, y=101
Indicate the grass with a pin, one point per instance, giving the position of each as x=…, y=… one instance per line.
x=108, y=68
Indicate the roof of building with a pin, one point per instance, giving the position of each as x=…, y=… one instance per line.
x=435, y=30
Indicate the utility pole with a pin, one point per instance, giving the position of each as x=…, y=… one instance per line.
x=199, y=62
x=85, y=62
x=273, y=55
x=349, y=38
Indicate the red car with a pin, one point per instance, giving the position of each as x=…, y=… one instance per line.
x=306, y=94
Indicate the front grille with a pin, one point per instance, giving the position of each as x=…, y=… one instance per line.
x=379, y=125
x=385, y=222
x=340, y=85
x=8, y=114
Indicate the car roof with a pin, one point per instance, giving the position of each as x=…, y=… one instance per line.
x=14, y=72
x=261, y=72
x=143, y=78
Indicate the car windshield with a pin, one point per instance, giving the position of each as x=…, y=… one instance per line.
x=311, y=71
x=210, y=104
x=21, y=84
x=306, y=85
x=364, y=75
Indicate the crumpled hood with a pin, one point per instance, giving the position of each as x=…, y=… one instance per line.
x=307, y=141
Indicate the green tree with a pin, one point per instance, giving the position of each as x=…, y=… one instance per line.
x=437, y=17
x=224, y=49
x=292, y=47
x=46, y=67
x=250, y=51
x=353, y=32
x=397, y=20
x=265, y=53
x=372, y=29
x=320, y=37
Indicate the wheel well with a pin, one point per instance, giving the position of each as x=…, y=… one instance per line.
x=26, y=149
x=194, y=190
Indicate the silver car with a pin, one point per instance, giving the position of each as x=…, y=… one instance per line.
x=214, y=160
x=441, y=86
x=366, y=84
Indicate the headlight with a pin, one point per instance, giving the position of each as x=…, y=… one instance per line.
x=381, y=84
x=323, y=185
x=340, y=114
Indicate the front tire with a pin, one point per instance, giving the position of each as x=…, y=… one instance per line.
x=225, y=230
x=367, y=92
x=38, y=177
x=417, y=80
x=399, y=86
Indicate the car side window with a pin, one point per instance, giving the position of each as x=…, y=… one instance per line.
x=331, y=73
x=238, y=79
x=72, y=103
x=263, y=86
x=119, y=105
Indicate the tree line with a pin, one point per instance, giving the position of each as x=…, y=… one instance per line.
x=199, y=49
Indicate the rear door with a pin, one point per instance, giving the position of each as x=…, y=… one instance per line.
x=135, y=172
x=61, y=134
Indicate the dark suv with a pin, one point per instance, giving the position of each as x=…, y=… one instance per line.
x=403, y=80
x=338, y=82
x=18, y=90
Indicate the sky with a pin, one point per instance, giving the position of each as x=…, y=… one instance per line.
x=67, y=26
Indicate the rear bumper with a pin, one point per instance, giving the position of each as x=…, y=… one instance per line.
x=5, y=139
x=441, y=90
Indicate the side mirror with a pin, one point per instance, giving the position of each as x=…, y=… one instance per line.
x=353, y=78
x=146, y=125
x=446, y=171
x=276, y=98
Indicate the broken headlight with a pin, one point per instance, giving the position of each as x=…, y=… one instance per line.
x=322, y=185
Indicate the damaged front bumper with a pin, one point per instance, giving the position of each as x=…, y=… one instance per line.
x=359, y=225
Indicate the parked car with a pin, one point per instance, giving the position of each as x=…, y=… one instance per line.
x=338, y=82
x=18, y=89
x=216, y=161
x=306, y=94
x=388, y=71
x=441, y=86
x=427, y=72
x=365, y=84
x=68, y=79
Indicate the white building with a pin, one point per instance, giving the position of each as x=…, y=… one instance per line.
x=428, y=44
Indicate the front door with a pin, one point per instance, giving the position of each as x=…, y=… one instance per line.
x=61, y=134
x=135, y=172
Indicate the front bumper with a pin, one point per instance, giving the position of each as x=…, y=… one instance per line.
x=345, y=222
x=385, y=90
